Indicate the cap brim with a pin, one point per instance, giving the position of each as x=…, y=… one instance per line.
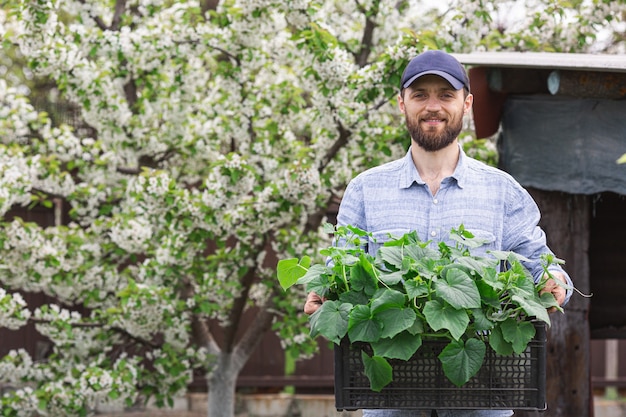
x=456, y=84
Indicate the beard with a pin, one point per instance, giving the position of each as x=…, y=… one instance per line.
x=433, y=141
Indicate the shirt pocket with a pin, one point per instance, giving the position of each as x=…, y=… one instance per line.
x=381, y=236
x=488, y=239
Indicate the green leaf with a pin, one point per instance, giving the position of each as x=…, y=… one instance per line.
x=395, y=320
x=328, y=228
x=477, y=264
x=533, y=308
x=467, y=239
x=548, y=301
x=491, y=278
x=312, y=273
x=461, y=361
x=443, y=316
x=417, y=327
x=510, y=257
x=498, y=343
x=391, y=255
x=386, y=299
x=354, y=297
x=390, y=278
x=331, y=321
x=488, y=295
x=361, y=279
x=377, y=370
x=395, y=255
x=415, y=288
x=517, y=333
x=481, y=321
x=290, y=270
x=402, y=346
x=523, y=285
x=319, y=284
x=362, y=326
x=458, y=289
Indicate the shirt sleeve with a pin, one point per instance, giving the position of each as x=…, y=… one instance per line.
x=524, y=236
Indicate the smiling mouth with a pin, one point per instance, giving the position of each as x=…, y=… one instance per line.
x=433, y=122
x=433, y=119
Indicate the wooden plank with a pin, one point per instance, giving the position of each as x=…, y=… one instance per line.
x=607, y=271
x=565, y=219
x=518, y=80
x=587, y=84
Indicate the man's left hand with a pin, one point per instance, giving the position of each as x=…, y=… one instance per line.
x=555, y=289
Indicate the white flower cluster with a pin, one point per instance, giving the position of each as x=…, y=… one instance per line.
x=146, y=313
x=166, y=379
x=302, y=185
x=62, y=142
x=64, y=328
x=16, y=175
x=37, y=259
x=132, y=235
x=96, y=384
x=337, y=69
x=25, y=402
x=297, y=13
x=15, y=366
x=16, y=115
x=13, y=311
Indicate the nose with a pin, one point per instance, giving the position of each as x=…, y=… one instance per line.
x=433, y=104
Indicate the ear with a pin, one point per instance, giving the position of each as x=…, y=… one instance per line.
x=401, y=103
x=467, y=105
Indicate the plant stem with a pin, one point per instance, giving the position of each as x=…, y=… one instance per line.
x=436, y=335
x=344, y=277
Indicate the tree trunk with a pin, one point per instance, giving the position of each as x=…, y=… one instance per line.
x=222, y=383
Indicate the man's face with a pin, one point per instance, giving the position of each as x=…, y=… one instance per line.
x=434, y=112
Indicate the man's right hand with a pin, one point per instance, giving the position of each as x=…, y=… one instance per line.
x=313, y=302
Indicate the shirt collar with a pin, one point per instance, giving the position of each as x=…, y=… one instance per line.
x=409, y=173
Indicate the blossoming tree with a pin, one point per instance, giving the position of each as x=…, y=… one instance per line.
x=214, y=135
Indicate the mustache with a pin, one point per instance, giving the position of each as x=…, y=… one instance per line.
x=433, y=116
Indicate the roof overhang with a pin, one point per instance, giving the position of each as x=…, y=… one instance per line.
x=545, y=60
x=529, y=73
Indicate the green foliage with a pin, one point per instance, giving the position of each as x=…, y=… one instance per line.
x=409, y=292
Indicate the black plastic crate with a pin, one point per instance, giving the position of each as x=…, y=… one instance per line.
x=515, y=382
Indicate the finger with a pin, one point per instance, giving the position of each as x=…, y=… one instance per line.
x=559, y=295
x=312, y=303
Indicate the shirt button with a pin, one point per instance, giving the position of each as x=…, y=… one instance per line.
x=435, y=201
x=433, y=233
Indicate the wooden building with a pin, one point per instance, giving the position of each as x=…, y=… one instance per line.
x=560, y=121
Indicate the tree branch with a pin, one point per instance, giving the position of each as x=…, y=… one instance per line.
x=239, y=304
x=130, y=90
x=344, y=135
x=206, y=5
x=368, y=34
x=199, y=328
x=252, y=337
x=115, y=329
x=120, y=8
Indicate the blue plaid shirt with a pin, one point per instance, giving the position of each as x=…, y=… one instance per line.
x=392, y=199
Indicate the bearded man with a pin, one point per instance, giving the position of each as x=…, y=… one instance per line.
x=437, y=187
